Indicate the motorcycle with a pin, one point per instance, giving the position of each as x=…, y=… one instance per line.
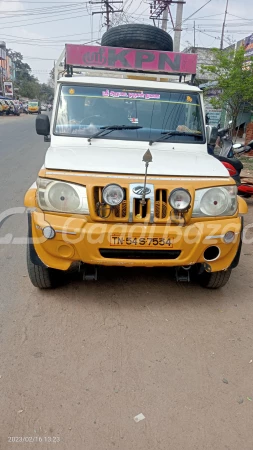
x=229, y=158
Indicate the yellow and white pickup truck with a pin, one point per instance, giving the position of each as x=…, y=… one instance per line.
x=127, y=179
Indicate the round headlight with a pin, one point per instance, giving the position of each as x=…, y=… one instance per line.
x=215, y=202
x=180, y=199
x=113, y=194
x=62, y=197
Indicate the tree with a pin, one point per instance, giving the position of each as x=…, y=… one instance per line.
x=23, y=70
x=28, y=85
x=232, y=71
x=29, y=89
x=51, y=79
x=46, y=92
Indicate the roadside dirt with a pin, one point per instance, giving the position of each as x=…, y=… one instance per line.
x=79, y=363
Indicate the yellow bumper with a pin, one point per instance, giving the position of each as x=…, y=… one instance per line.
x=78, y=239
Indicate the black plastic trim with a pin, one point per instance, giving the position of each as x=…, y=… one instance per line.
x=139, y=254
x=238, y=254
x=32, y=252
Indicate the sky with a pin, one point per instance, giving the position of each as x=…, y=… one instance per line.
x=39, y=29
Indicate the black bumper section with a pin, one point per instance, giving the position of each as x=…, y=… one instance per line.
x=238, y=254
x=32, y=252
x=139, y=254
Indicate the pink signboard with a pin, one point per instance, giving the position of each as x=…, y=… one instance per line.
x=130, y=59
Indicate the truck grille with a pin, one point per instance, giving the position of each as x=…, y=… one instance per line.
x=156, y=208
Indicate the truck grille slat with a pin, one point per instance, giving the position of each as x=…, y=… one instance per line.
x=161, y=204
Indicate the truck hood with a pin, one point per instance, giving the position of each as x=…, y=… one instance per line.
x=125, y=157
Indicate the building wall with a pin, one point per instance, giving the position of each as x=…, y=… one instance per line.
x=7, y=69
x=205, y=57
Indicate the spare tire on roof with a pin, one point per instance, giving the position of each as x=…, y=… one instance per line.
x=138, y=36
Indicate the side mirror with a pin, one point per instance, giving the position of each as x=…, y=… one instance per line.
x=236, y=146
x=43, y=126
x=211, y=134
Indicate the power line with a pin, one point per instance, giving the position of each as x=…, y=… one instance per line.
x=56, y=13
x=25, y=12
x=48, y=21
x=35, y=58
x=238, y=17
x=46, y=39
x=27, y=1
x=109, y=9
x=193, y=14
x=207, y=17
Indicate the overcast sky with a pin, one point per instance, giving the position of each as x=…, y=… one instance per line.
x=39, y=29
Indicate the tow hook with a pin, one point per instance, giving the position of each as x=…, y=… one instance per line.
x=183, y=274
x=89, y=272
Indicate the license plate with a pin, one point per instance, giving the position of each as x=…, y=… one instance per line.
x=118, y=241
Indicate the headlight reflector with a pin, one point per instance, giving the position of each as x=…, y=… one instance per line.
x=180, y=199
x=216, y=201
x=61, y=196
x=113, y=194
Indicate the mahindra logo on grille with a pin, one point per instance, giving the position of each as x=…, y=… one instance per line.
x=139, y=190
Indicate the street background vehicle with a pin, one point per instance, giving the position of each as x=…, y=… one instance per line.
x=34, y=107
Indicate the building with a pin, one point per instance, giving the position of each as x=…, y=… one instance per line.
x=205, y=57
x=7, y=67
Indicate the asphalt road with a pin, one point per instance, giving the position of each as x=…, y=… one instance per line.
x=79, y=363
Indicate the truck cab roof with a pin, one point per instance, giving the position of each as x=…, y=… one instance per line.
x=136, y=82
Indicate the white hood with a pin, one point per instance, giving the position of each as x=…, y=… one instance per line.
x=125, y=157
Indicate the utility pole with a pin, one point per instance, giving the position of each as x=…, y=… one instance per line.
x=161, y=8
x=165, y=18
x=223, y=27
x=178, y=26
x=108, y=10
x=194, y=34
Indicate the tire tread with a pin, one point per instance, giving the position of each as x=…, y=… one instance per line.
x=138, y=36
x=215, y=280
x=42, y=277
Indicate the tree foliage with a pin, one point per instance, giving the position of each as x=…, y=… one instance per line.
x=232, y=71
x=26, y=83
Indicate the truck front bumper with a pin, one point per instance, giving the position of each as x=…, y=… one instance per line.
x=77, y=239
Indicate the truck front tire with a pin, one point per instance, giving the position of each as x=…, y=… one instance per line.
x=43, y=277
x=214, y=280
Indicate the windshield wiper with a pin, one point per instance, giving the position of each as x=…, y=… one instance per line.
x=110, y=128
x=167, y=134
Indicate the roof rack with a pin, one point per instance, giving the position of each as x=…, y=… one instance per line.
x=127, y=60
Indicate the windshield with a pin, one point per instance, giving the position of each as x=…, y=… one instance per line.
x=33, y=104
x=83, y=110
